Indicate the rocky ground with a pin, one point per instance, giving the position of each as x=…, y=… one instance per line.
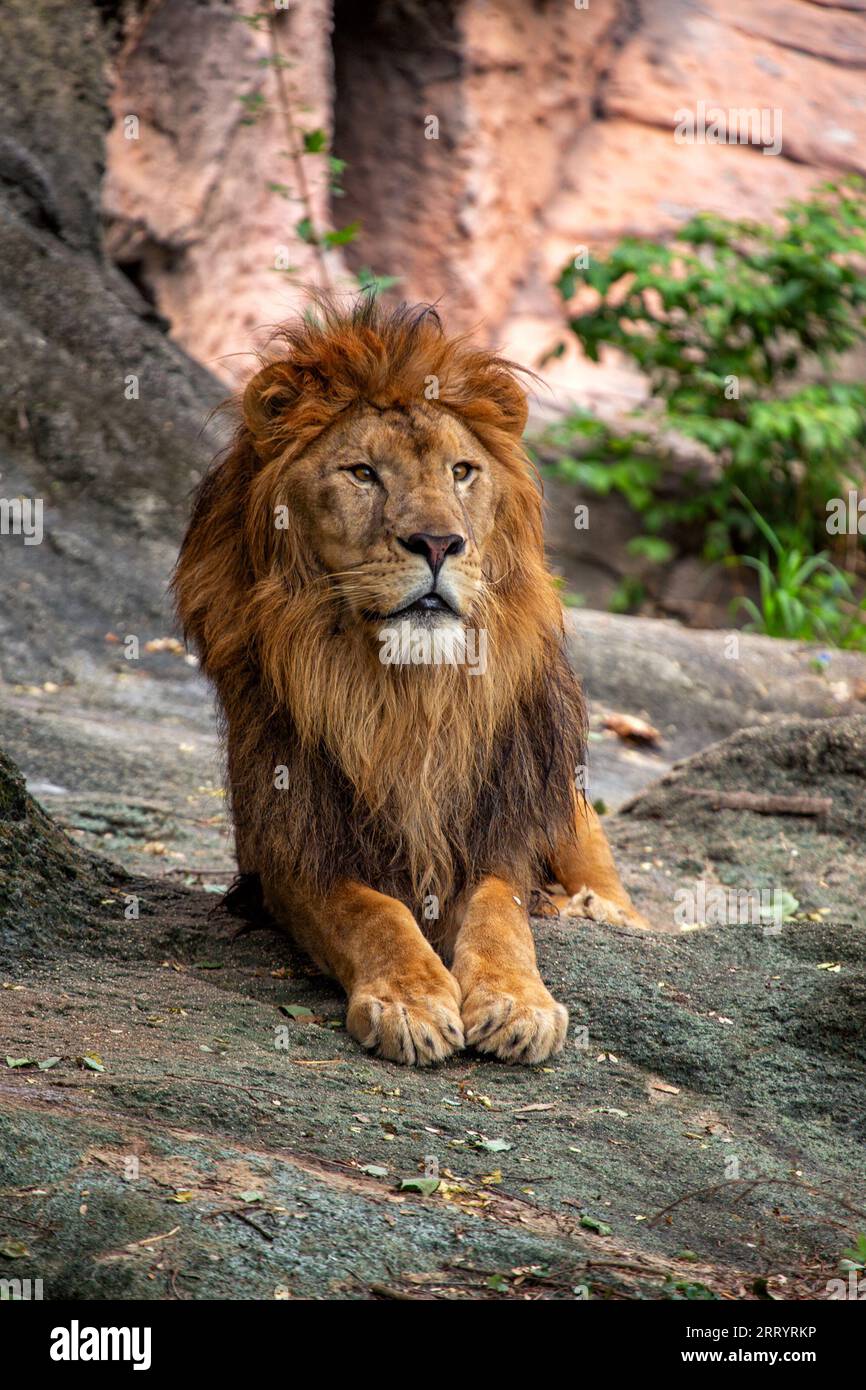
x=184, y=1116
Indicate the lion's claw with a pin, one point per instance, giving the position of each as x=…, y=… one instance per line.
x=526, y=1026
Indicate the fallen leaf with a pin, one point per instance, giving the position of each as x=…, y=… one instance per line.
x=479, y=1099
x=296, y=1011
x=13, y=1249
x=494, y=1146
x=92, y=1061
x=628, y=726
x=426, y=1186
x=164, y=644
x=19, y=1061
x=599, y=1227
x=374, y=1170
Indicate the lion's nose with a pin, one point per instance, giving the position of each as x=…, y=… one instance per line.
x=433, y=548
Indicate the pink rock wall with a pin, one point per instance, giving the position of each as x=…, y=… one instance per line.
x=555, y=131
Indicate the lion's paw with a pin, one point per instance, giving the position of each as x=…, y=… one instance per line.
x=588, y=903
x=525, y=1025
x=414, y=1031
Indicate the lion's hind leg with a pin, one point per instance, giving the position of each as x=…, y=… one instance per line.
x=583, y=864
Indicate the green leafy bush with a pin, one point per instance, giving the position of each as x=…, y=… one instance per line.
x=737, y=327
x=804, y=597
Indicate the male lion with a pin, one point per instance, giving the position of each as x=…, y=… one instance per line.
x=396, y=809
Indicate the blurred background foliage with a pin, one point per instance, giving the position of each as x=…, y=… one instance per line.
x=739, y=328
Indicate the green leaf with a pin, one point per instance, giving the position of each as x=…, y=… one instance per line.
x=343, y=235
x=374, y=1170
x=856, y=1254
x=19, y=1061
x=426, y=1186
x=367, y=279
x=494, y=1146
x=296, y=1011
x=786, y=904
x=315, y=141
x=591, y=1224
x=255, y=105
x=652, y=548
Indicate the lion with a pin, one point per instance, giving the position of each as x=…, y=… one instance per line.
x=373, y=530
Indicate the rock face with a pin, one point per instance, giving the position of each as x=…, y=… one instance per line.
x=50, y=889
x=484, y=144
x=200, y=196
x=100, y=413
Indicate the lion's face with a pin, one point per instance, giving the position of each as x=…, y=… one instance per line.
x=398, y=507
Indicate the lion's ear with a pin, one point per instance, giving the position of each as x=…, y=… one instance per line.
x=510, y=401
x=268, y=402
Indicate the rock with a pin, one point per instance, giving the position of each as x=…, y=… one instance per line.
x=50, y=890
x=684, y=837
x=697, y=686
x=809, y=70
x=553, y=131
x=210, y=122
x=101, y=416
x=588, y=534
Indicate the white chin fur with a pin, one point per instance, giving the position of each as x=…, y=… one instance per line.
x=432, y=639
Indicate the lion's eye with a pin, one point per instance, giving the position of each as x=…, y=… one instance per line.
x=462, y=471
x=363, y=473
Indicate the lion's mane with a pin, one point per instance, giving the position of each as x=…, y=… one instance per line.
x=415, y=780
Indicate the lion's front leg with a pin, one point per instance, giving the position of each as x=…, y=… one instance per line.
x=507, y=1009
x=403, y=1002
